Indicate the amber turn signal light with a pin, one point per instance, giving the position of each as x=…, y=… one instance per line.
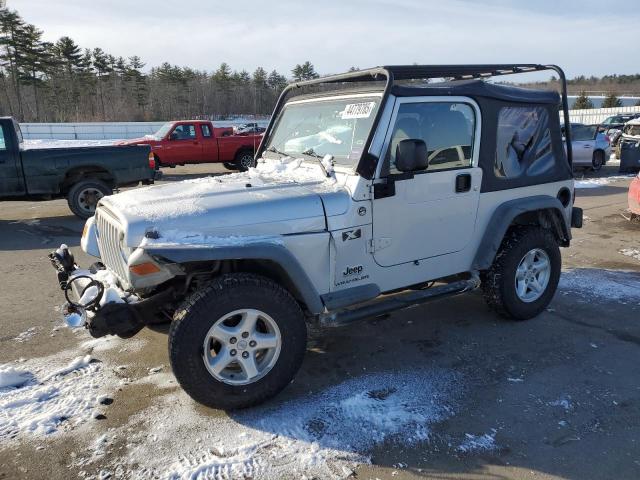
x=146, y=268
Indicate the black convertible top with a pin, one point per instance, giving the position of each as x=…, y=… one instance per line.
x=477, y=88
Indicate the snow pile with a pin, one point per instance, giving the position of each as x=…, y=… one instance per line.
x=317, y=436
x=194, y=239
x=473, y=443
x=600, y=182
x=43, y=399
x=631, y=252
x=112, y=292
x=41, y=144
x=612, y=285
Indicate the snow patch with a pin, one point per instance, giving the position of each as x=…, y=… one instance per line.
x=612, y=285
x=42, y=144
x=321, y=435
x=600, y=182
x=631, y=252
x=26, y=335
x=54, y=397
x=10, y=377
x=476, y=443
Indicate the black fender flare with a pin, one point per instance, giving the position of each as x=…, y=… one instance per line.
x=274, y=252
x=504, y=215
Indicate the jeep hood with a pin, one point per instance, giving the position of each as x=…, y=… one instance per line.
x=243, y=204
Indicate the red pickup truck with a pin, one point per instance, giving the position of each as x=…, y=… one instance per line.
x=198, y=141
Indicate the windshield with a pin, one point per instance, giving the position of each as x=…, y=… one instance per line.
x=164, y=129
x=332, y=126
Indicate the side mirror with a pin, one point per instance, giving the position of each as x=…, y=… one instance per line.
x=411, y=155
x=173, y=136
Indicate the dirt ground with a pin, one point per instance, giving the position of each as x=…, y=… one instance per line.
x=554, y=397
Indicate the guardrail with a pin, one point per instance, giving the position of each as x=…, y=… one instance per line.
x=105, y=130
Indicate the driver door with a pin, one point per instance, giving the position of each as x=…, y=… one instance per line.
x=183, y=145
x=429, y=213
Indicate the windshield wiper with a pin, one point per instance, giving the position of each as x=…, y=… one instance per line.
x=319, y=158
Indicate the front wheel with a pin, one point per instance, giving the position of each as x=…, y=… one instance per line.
x=83, y=196
x=525, y=273
x=237, y=342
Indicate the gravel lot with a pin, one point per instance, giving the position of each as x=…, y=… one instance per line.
x=447, y=390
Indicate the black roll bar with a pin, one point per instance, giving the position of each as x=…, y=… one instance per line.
x=418, y=72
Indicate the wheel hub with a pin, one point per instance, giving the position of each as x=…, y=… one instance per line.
x=242, y=347
x=532, y=275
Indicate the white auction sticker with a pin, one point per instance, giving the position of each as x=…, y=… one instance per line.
x=357, y=110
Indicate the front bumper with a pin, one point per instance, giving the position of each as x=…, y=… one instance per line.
x=112, y=311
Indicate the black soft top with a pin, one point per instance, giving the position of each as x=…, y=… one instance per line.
x=477, y=88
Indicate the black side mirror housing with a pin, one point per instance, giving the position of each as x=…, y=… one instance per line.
x=411, y=155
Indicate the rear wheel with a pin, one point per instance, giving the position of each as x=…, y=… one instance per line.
x=525, y=273
x=84, y=195
x=598, y=161
x=244, y=160
x=237, y=342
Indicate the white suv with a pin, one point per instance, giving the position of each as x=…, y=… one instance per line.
x=392, y=185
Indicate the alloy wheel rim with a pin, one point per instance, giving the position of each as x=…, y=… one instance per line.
x=246, y=161
x=242, y=347
x=532, y=275
x=88, y=199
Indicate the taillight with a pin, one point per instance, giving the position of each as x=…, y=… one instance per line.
x=152, y=161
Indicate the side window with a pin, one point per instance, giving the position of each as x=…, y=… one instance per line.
x=583, y=132
x=523, y=143
x=185, y=131
x=3, y=145
x=446, y=127
x=206, y=131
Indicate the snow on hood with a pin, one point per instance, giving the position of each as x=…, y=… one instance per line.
x=277, y=197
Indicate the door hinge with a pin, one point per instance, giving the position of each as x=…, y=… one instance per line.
x=377, y=244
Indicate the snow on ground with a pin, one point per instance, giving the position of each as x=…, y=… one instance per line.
x=631, y=252
x=320, y=435
x=26, y=335
x=478, y=443
x=52, y=398
x=603, y=284
x=39, y=144
x=601, y=181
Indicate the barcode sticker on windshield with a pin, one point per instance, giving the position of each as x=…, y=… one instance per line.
x=357, y=110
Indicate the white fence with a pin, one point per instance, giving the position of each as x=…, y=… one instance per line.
x=105, y=130
x=592, y=116
x=123, y=130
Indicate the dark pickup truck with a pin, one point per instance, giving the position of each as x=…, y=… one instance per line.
x=82, y=175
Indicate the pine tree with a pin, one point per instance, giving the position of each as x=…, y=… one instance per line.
x=611, y=101
x=11, y=54
x=276, y=81
x=306, y=71
x=582, y=102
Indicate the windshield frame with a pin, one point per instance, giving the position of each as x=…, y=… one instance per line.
x=378, y=95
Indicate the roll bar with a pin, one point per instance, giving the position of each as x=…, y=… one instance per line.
x=391, y=73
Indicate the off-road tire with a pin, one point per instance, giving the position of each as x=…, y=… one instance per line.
x=241, y=162
x=193, y=319
x=598, y=161
x=73, y=196
x=498, y=282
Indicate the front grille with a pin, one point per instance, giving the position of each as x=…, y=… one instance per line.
x=110, y=237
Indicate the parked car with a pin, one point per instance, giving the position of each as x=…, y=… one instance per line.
x=634, y=196
x=82, y=175
x=361, y=201
x=249, y=128
x=591, y=147
x=198, y=141
x=630, y=133
x=613, y=126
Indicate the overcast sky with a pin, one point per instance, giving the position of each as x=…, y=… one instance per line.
x=584, y=37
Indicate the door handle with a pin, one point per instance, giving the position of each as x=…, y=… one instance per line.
x=463, y=182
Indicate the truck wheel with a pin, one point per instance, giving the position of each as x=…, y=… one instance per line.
x=598, y=161
x=244, y=160
x=524, y=276
x=237, y=342
x=230, y=166
x=83, y=196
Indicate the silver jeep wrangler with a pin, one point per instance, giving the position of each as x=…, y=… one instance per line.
x=372, y=191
